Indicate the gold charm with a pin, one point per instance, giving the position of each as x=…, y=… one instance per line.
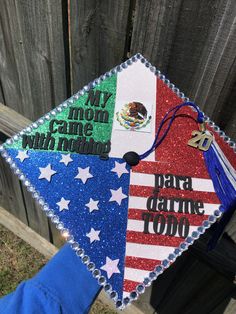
x=200, y=139
x=202, y=127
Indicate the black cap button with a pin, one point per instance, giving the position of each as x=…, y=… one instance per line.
x=131, y=158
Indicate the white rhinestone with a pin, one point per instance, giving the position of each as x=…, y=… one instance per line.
x=211, y=123
x=9, y=160
x=55, y=219
x=13, y=165
x=4, y=154
x=60, y=226
x=75, y=246
x=9, y=141
x=22, y=177
x=216, y=129
x=36, y=195
x=80, y=252
x=153, y=69
x=27, y=183
x=176, y=90
x=45, y=207
x=31, y=189
x=114, y=295
x=41, y=201
x=49, y=213
x=129, y=61
x=70, y=239
x=64, y=232
x=96, y=273
x=162, y=77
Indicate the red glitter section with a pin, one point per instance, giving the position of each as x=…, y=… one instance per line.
x=129, y=285
x=153, y=239
x=174, y=149
x=173, y=156
x=146, y=191
x=141, y=263
x=152, y=167
x=194, y=220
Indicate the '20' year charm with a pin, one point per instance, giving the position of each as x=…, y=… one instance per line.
x=201, y=139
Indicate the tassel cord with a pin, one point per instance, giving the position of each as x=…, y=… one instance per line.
x=157, y=142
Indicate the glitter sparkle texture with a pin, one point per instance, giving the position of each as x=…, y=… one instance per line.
x=102, y=202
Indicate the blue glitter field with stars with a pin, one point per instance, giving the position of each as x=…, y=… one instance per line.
x=90, y=196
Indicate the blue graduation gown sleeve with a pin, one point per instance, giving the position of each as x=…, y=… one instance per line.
x=64, y=285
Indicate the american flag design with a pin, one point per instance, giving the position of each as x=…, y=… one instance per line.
x=128, y=220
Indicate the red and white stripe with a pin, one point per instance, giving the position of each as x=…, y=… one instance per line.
x=145, y=251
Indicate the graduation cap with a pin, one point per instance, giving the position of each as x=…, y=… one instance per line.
x=131, y=172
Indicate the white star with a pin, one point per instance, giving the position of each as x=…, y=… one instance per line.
x=66, y=159
x=92, y=205
x=63, y=204
x=111, y=267
x=117, y=196
x=83, y=174
x=93, y=235
x=22, y=155
x=46, y=173
x=120, y=169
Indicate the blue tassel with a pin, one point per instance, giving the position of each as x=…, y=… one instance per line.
x=223, y=176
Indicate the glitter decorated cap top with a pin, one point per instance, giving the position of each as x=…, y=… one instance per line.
x=127, y=218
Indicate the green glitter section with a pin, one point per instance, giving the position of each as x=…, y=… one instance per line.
x=101, y=131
